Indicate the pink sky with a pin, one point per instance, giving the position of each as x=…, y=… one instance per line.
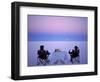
x=57, y=24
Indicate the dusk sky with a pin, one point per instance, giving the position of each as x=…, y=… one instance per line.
x=57, y=28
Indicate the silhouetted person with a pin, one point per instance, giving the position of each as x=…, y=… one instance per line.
x=74, y=54
x=43, y=55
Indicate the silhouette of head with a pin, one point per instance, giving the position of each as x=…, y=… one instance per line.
x=75, y=47
x=41, y=47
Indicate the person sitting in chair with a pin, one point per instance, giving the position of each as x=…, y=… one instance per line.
x=74, y=54
x=42, y=56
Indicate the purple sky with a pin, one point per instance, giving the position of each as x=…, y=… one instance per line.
x=57, y=24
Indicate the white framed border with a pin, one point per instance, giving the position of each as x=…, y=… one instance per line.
x=25, y=71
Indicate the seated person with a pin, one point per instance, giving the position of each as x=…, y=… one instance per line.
x=74, y=54
x=43, y=56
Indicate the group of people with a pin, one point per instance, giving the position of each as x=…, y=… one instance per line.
x=43, y=56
